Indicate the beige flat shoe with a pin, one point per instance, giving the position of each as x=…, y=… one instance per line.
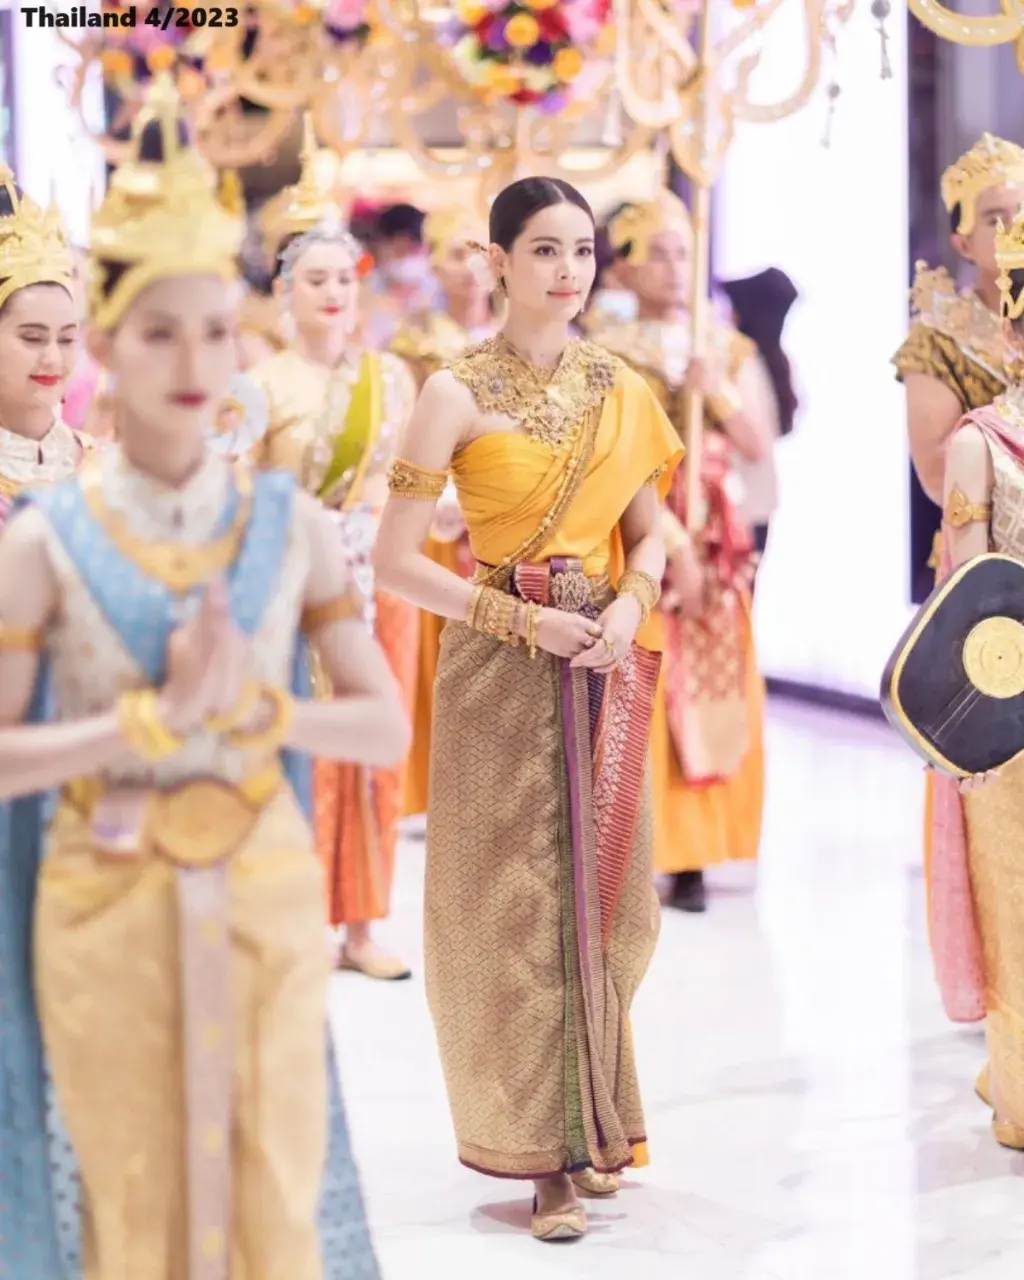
x=981, y=1086
x=382, y=968
x=1008, y=1134
x=559, y=1224
x=598, y=1186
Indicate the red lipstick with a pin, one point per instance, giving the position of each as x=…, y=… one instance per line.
x=46, y=379
x=189, y=399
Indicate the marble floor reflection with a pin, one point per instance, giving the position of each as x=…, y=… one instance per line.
x=810, y=1110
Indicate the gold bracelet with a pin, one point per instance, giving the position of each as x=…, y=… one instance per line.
x=241, y=713
x=407, y=480
x=532, y=622
x=138, y=715
x=643, y=588
x=20, y=639
x=474, y=605
x=344, y=608
x=494, y=615
x=270, y=738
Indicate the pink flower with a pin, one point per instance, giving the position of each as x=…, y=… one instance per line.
x=583, y=20
x=345, y=15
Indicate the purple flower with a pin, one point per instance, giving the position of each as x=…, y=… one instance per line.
x=496, y=38
x=540, y=54
x=552, y=104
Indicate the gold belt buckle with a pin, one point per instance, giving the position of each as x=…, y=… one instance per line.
x=571, y=592
x=199, y=823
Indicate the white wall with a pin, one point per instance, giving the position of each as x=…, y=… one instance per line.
x=53, y=152
x=832, y=597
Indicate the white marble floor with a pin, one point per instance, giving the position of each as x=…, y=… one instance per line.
x=810, y=1110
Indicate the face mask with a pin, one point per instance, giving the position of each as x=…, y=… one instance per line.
x=410, y=270
x=619, y=304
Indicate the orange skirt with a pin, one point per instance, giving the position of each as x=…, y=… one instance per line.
x=698, y=826
x=449, y=556
x=358, y=809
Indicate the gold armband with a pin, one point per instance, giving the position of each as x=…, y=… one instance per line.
x=343, y=608
x=655, y=476
x=273, y=734
x=493, y=613
x=139, y=717
x=724, y=404
x=20, y=639
x=643, y=588
x=406, y=480
x=959, y=512
x=673, y=533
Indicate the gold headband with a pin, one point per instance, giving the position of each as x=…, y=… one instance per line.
x=451, y=225
x=991, y=162
x=1010, y=257
x=300, y=208
x=33, y=246
x=161, y=218
x=638, y=224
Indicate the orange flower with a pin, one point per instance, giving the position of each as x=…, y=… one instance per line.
x=303, y=14
x=162, y=58
x=540, y=5
x=522, y=31
x=116, y=62
x=568, y=63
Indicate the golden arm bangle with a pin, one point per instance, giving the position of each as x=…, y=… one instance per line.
x=343, y=608
x=20, y=639
x=138, y=715
x=407, y=480
x=958, y=512
x=273, y=735
x=643, y=588
x=493, y=613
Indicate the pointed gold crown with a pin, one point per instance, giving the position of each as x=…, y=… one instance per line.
x=991, y=162
x=452, y=224
x=637, y=224
x=161, y=218
x=1010, y=258
x=33, y=246
x=300, y=208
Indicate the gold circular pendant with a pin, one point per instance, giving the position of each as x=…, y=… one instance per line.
x=993, y=657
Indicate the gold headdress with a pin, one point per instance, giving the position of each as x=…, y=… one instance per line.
x=991, y=162
x=33, y=247
x=1010, y=257
x=637, y=224
x=449, y=225
x=300, y=208
x=160, y=218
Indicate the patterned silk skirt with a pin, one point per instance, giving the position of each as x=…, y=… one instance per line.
x=541, y=917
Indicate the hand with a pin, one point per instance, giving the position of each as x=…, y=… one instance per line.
x=619, y=624
x=701, y=379
x=684, y=592
x=208, y=662
x=566, y=634
x=448, y=522
x=978, y=780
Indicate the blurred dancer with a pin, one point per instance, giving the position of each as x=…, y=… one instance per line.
x=39, y=333
x=428, y=341
x=177, y=913
x=335, y=417
x=403, y=283
x=983, y=840
x=708, y=725
x=539, y=920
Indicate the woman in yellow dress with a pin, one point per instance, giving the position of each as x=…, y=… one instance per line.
x=427, y=342
x=984, y=511
x=335, y=418
x=707, y=738
x=164, y=963
x=38, y=345
x=540, y=915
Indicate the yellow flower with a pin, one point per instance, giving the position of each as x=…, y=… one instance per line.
x=604, y=45
x=162, y=58
x=116, y=62
x=471, y=12
x=540, y=5
x=522, y=31
x=568, y=64
x=501, y=78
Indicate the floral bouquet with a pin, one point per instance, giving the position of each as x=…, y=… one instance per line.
x=548, y=54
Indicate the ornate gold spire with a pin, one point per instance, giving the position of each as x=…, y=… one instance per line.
x=160, y=218
x=1010, y=257
x=33, y=246
x=300, y=208
x=449, y=225
x=637, y=224
x=991, y=162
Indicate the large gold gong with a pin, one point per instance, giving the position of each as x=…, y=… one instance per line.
x=993, y=657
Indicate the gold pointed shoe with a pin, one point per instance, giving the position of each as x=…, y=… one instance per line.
x=981, y=1086
x=559, y=1224
x=382, y=968
x=597, y=1186
x=1008, y=1134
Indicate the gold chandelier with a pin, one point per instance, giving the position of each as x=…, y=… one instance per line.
x=978, y=31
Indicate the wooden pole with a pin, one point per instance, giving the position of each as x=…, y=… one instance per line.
x=700, y=304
